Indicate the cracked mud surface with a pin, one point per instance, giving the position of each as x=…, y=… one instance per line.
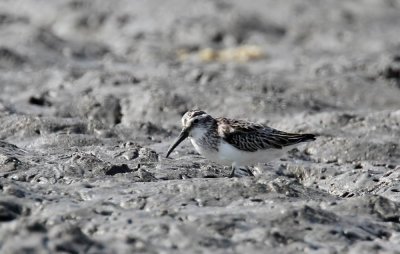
x=91, y=95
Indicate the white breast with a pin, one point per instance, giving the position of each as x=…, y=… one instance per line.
x=197, y=134
x=210, y=154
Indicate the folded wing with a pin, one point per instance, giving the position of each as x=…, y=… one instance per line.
x=252, y=137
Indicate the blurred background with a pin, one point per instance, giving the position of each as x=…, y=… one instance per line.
x=150, y=61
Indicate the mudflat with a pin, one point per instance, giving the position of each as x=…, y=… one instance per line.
x=91, y=96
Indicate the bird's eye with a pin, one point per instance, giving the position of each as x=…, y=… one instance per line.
x=195, y=120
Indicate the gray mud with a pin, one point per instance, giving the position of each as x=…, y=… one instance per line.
x=91, y=95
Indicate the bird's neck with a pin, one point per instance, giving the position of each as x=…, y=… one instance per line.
x=198, y=133
x=204, y=131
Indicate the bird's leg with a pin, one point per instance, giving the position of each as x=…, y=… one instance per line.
x=232, y=174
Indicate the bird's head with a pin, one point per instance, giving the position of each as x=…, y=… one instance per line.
x=195, y=123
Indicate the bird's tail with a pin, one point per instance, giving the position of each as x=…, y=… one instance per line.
x=306, y=137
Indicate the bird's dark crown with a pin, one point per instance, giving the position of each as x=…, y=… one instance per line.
x=195, y=118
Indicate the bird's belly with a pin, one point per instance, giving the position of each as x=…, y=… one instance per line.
x=228, y=154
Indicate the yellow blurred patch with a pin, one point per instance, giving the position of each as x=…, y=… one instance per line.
x=238, y=54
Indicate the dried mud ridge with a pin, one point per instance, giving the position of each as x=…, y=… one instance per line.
x=91, y=95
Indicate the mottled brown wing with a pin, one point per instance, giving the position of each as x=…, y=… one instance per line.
x=251, y=137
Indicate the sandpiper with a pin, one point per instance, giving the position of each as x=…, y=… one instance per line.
x=236, y=143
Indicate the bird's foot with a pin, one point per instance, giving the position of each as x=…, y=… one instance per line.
x=240, y=172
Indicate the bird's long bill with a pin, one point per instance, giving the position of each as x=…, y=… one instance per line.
x=184, y=134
